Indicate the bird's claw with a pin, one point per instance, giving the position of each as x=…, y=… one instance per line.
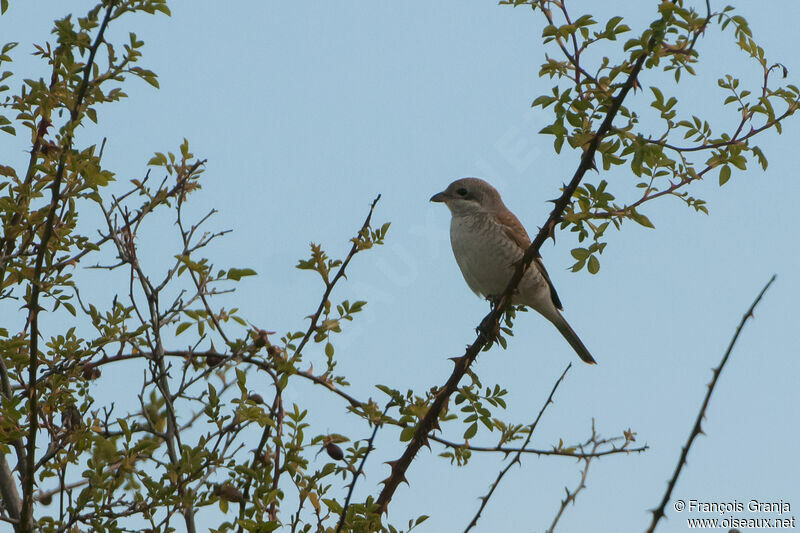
x=487, y=329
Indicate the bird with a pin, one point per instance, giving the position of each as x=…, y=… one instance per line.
x=488, y=241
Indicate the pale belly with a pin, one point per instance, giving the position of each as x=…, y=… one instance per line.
x=487, y=258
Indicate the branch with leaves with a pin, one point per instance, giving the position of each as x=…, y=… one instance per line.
x=651, y=146
x=26, y=513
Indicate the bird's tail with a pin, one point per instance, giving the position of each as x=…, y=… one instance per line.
x=573, y=340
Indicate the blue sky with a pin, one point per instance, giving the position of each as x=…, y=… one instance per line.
x=307, y=110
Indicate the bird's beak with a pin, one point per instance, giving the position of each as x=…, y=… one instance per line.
x=439, y=197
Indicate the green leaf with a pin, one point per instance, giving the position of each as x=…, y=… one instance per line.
x=580, y=253
x=333, y=505
x=593, y=265
x=238, y=273
x=471, y=431
x=543, y=101
x=658, y=95
x=158, y=159
x=641, y=219
x=407, y=433
x=724, y=174
x=182, y=327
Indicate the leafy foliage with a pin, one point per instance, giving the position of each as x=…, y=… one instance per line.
x=655, y=150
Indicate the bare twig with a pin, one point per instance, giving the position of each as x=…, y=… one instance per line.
x=8, y=490
x=566, y=452
x=658, y=513
x=570, y=496
x=8, y=486
x=515, y=460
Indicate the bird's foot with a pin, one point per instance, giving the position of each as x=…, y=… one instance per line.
x=488, y=329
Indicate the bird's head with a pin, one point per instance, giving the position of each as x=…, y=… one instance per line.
x=469, y=196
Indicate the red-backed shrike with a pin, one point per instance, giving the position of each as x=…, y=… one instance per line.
x=488, y=241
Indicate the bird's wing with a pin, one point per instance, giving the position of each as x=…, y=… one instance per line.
x=516, y=232
x=553, y=293
x=514, y=229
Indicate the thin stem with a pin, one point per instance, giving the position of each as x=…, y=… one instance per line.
x=515, y=460
x=360, y=469
x=658, y=513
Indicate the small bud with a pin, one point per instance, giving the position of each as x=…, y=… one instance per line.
x=48, y=147
x=256, y=398
x=334, y=451
x=260, y=338
x=214, y=360
x=71, y=418
x=229, y=493
x=90, y=372
x=266, y=459
x=273, y=351
x=45, y=499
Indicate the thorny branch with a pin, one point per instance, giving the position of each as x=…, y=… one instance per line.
x=658, y=513
x=556, y=452
x=570, y=496
x=322, y=380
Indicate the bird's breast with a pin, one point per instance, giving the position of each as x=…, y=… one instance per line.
x=484, y=253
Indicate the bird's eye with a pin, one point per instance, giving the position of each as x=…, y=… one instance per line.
x=461, y=192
